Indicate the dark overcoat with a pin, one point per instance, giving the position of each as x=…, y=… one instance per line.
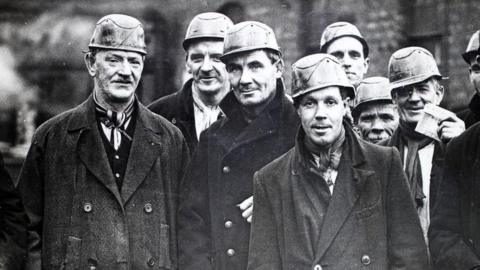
x=212, y=233
x=13, y=234
x=455, y=226
x=178, y=109
x=78, y=217
x=471, y=115
x=370, y=221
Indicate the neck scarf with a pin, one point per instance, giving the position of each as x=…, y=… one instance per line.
x=414, y=142
x=116, y=122
x=329, y=158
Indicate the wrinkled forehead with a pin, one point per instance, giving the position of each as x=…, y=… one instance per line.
x=378, y=106
x=244, y=58
x=345, y=44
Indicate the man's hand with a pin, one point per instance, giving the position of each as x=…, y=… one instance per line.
x=450, y=128
x=247, y=209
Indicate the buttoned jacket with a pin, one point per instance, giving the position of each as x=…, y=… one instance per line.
x=370, y=221
x=212, y=233
x=79, y=218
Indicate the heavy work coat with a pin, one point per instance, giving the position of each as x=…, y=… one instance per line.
x=78, y=217
x=455, y=228
x=13, y=232
x=212, y=233
x=471, y=115
x=178, y=109
x=370, y=221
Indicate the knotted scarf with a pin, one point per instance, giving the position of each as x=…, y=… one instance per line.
x=115, y=121
x=414, y=141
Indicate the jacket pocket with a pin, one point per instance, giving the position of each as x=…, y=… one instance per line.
x=72, y=256
x=164, y=252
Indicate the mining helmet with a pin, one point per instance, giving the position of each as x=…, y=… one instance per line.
x=338, y=30
x=248, y=36
x=372, y=89
x=318, y=71
x=472, y=47
x=411, y=65
x=119, y=32
x=207, y=25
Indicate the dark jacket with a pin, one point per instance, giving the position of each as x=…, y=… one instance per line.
x=370, y=221
x=178, y=109
x=436, y=172
x=471, y=115
x=13, y=234
x=212, y=233
x=78, y=217
x=455, y=227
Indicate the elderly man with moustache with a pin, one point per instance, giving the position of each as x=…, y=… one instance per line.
x=259, y=125
x=100, y=181
x=196, y=106
x=333, y=201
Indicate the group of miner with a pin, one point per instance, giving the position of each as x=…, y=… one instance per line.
x=236, y=171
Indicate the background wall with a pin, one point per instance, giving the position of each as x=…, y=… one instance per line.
x=41, y=43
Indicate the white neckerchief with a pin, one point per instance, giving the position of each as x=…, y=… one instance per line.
x=204, y=115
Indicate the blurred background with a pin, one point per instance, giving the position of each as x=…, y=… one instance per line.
x=41, y=62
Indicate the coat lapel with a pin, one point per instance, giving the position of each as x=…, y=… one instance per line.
x=145, y=149
x=351, y=178
x=90, y=147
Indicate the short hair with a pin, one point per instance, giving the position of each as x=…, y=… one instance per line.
x=344, y=93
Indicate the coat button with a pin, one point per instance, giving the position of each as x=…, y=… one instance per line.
x=317, y=267
x=117, y=175
x=226, y=169
x=151, y=262
x=148, y=208
x=230, y=252
x=87, y=207
x=228, y=224
x=366, y=260
x=174, y=121
x=117, y=157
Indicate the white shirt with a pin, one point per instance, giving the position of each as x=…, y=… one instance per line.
x=204, y=115
x=426, y=157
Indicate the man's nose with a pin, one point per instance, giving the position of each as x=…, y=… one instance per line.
x=246, y=77
x=207, y=65
x=125, y=69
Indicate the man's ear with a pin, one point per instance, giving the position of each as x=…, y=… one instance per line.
x=89, y=59
x=346, y=102
x=366, y=64
x=439, y=91
x=394, y=97
x=280, y=66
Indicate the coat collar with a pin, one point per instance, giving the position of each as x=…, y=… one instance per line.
x=185, y=100
x=236, y=131
x=353, y=172
x=144, y=150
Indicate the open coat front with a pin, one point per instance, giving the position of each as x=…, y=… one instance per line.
x=370, y=221
x=78, y=217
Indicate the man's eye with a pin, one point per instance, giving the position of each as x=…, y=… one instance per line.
x=331, y=102
x=231, y=69
x=338, y=55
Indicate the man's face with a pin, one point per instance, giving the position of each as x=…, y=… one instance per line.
x=377, y=120
x=203, y=62
x=475, y=73
x=321, y=114
x=116, y=74
x=253, y=77
x=411, y=99
x=349, y=52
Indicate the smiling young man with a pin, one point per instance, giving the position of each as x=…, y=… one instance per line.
x=100, y=181
x=195, y=107
x=415, y=82
x=259, y=125
x=374, y=114
x=333, y=201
